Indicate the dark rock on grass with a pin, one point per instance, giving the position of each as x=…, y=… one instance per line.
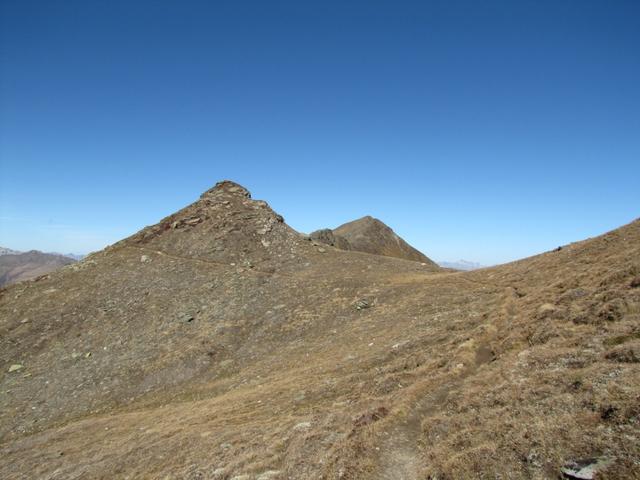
x=625, y=353
x=612, y=311
x=362, y=304
x=371, y=416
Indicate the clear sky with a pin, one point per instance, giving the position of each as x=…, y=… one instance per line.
x=487, y=131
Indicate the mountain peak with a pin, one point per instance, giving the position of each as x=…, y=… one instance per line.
x=226, y=187
x=370, y=235
x=225, y=225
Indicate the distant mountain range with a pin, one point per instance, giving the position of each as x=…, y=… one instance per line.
x=71, y=255
x=8, y=251
x=17, y=266
x=461, y=265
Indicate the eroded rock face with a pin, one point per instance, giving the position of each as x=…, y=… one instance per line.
x=327, y=237
x=225, y=225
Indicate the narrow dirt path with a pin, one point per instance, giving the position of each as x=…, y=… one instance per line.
x=201, y=260
x=399, y=454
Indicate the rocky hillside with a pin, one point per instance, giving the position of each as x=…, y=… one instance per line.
x=16, y=267
x=222, y=344
x=370, y=235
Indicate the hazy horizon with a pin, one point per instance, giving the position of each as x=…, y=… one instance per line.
x=483, y=260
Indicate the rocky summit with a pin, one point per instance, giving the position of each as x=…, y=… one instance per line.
x=222, y=344
x=370, y=235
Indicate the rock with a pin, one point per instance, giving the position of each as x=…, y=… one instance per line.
x=625, y=353
x=362, y=304
x=269, y=475
x=264, y=229
x=185, y=317
x=546, y=310
x=371, y=416
x=534, y=459
x=398, y=345
x=327, y=237
x=219, y=473
x=145, y=259
x=608, y=412
x=321, y=250
x=584, y=469
x=15, y=367
x=613, y=310
x=191, y=222
x=302, y=426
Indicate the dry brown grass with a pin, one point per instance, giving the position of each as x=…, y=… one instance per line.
x=507, y=372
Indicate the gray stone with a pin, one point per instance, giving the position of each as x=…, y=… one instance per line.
x=362, y=304
x=219, y=473
x=585, y=469
x=269, y=475
x=302, y=426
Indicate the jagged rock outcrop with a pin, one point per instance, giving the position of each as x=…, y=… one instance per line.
x=327, y=237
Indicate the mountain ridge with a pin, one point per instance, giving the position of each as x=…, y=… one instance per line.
x=370, y=235
x=220, y=343
x=20, y=266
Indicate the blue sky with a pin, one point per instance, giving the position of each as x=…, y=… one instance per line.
x=487, y=131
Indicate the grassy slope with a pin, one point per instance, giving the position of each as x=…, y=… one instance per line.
x=512, y=370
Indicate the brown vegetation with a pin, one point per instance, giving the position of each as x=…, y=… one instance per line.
x=221, y=343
